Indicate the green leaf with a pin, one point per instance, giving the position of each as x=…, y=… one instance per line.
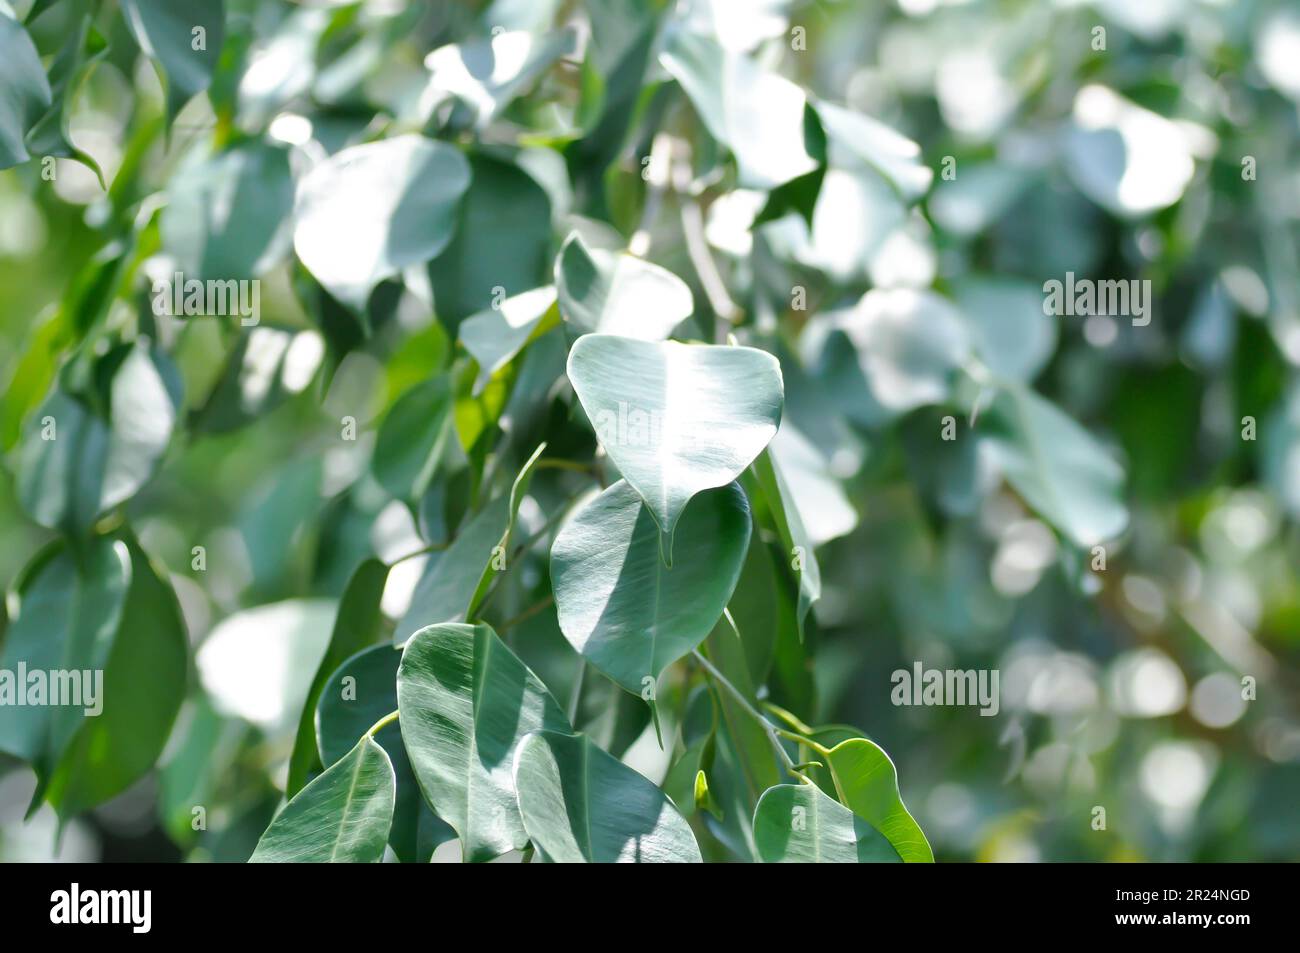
x=502, y=243
x=366, y=213
x=73, y=465
x=183, y=38
x=612, y=292
x=580, y=805
x=359, y=623
x=450, y=579
x=358, y=694
x=676, y=418
x=757, y=114
x=466, y=702
x=619, y=605
x=266, y=366
x=496, y=335
x=145, y=675
x=855, y=140
x=1009, y=330
x=798, y=824
x=50, y=136
x=26, y=91
x=412, y=437
x=766, y=481
x=341, y=817
x=867, y=783
x=228, y=215
x=488, y=74
x=1056, y=465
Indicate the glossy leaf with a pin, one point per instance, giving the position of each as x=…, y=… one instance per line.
x=466, y=702
x=27, y=92
x=580, y=805
x=611, y=292
x=365, y=213
x=183, y=38
x=341, y=817
x=488, y=74
x=797, y=823
x=627, y=612
x=867, y=783
x=495, y=336
x=676, y=418
x=757, y=114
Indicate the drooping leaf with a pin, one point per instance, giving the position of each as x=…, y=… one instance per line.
x=50, y=136
x=466, y=702
x=676, y=418
x=797, y=823
x=1056, y=465
x=580, y=805
x=627, y=612
x=612, y=292
x=365, y=213
x=867, y=783
x=341, y=817
x=183, y=38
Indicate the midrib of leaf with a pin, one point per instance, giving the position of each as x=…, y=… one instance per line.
x=347, y=804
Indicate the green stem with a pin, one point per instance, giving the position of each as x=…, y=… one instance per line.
x=381, y=723
x=753, y=712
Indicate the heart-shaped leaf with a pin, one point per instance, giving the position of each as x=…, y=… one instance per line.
x=581, y=805
x=798, y=824
x=867, y=782
x=676, y=418
x=365, y=213
x=613, y=292
x=341, y=817
x=466, y=702
x=619, y=605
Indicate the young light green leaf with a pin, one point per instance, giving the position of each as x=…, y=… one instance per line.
x=619, y=605
x=183, y=38
x=341, y=817
x=798, y=824
x=466, y=701
x=580, y=805
x=1056, y=465
x=676, y=418
x=612, y=292
x=867, y=782
x=394, y=200
x=757, y=114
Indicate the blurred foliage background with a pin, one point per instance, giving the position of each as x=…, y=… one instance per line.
x=1121, y=687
